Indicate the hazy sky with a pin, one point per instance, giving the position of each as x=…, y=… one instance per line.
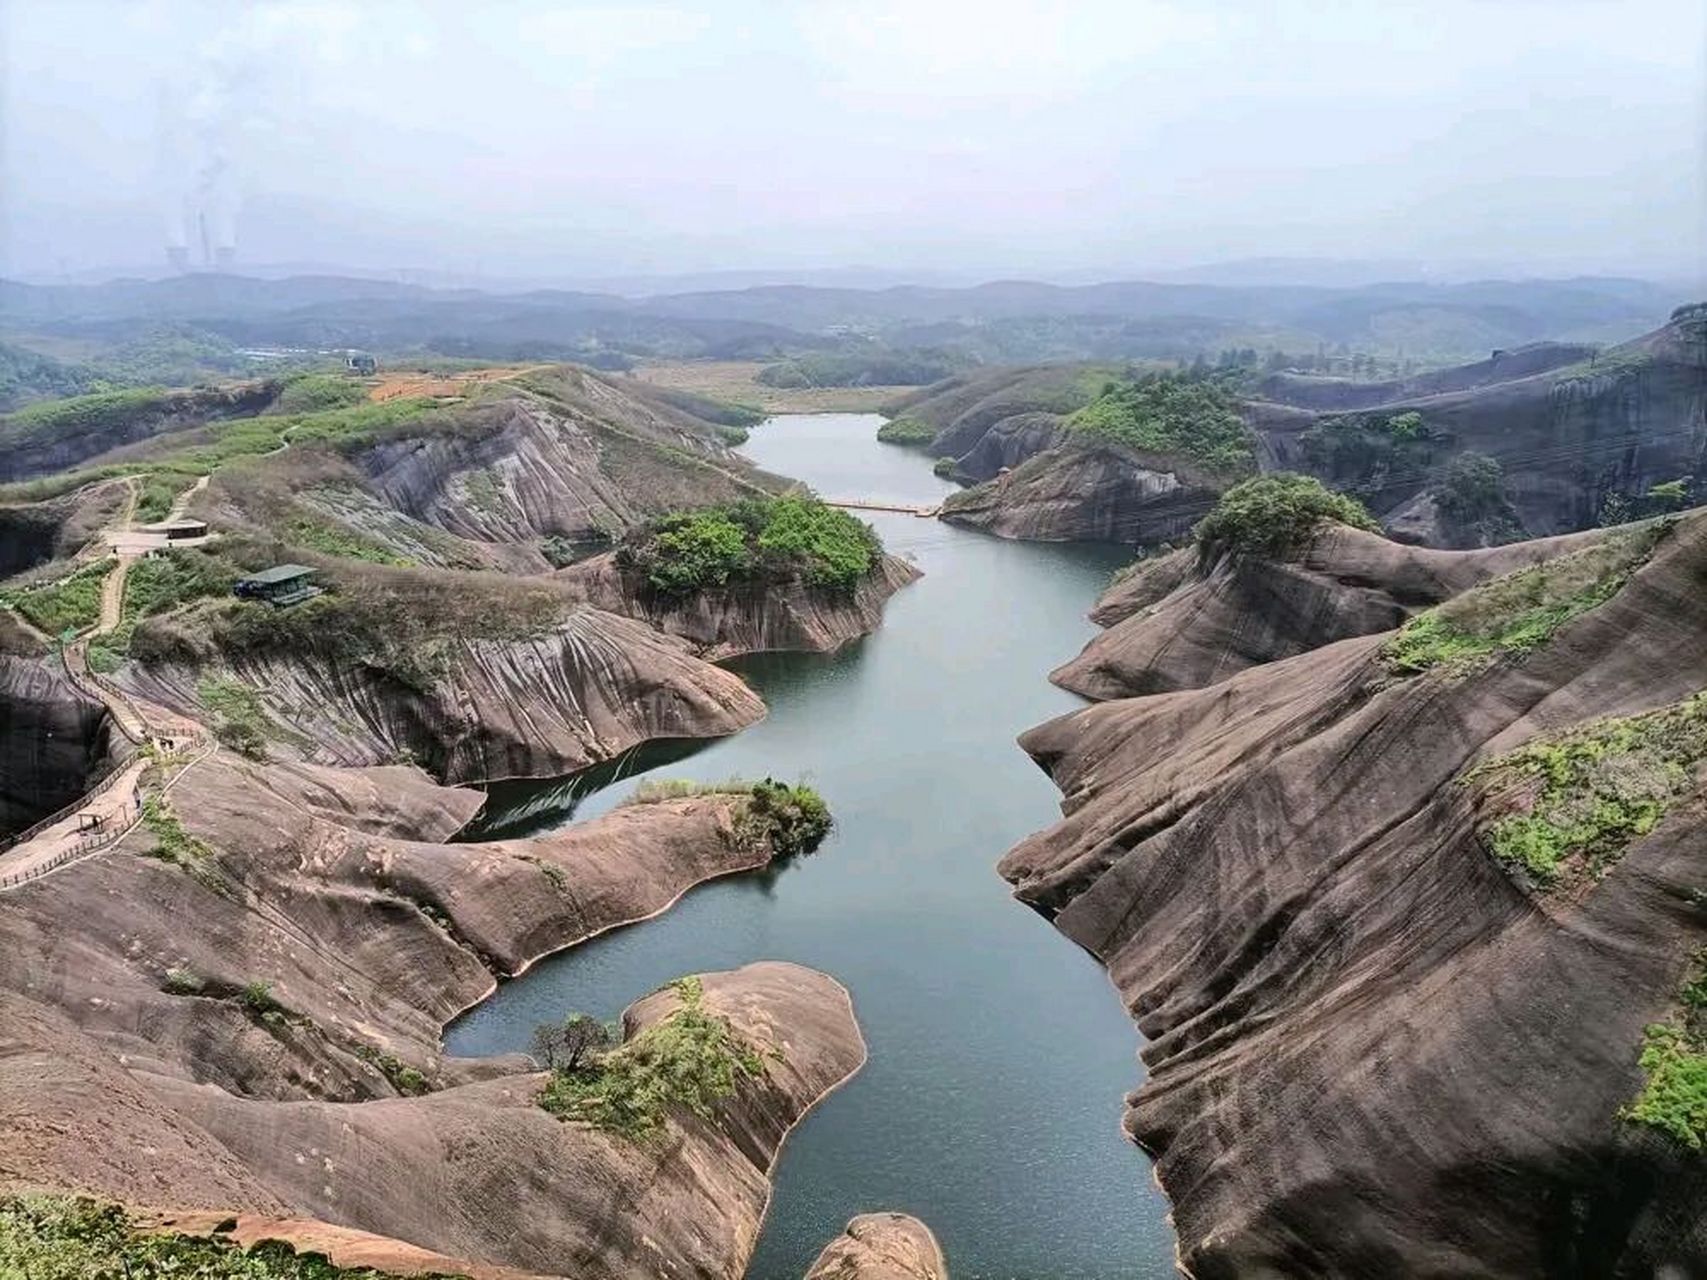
x=1003, y=137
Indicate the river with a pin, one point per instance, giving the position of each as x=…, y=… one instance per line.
x=999, y=1052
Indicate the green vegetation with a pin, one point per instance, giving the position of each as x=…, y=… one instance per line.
x=162, y=583
x=318, y=392
x=1674, y=1057
x=183, y=982
x=1584, y=796
x=858, y=369
x=1519, y=612
x=690, y=1060
x=758, y=539
x=1192, y=419
x=241, y=722
x=76, y=1238
x=1369, y=452
x=98, y=411
x=1660, y=499
x=1471, y=494
x=790, y=819
x=160, y=489
x=911, y=432
x=314, y=534
x=73, y=604
x=408, y=1081
x=171, y=842
x=27, y=376
x=944, y=468
x=1275, y=515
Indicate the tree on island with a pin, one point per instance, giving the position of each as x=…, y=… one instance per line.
x=574, y=1042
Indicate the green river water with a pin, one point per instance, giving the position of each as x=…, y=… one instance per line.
x=1000, y=1054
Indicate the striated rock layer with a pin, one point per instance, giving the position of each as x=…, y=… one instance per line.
x=138, y=1062
x=580, y=692
x=746, y=618
x=1177, y=623
x=1373, y=1049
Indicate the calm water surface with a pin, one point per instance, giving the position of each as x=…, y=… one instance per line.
x=999, y=1052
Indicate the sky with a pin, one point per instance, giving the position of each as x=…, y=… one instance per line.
x=927, y=138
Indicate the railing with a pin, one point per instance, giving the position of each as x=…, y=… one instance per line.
x=100, y=691
x=117, y=826
x=112, y=771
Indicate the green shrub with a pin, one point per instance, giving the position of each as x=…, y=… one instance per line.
x=690, y=1060
x=1586, y=795
x=183, y=982
x=911, y=432
x=77, y=1238
x=1471, y=494
x=73, y=604
x=102, y=660
x=1674, y=1058
x=1519, y=612
x=1192, y=419
x=769, y=540
x=241, y=723
x=162, y=583
x=791, y=819
x=944, y=467
x=1275, y=515
x=171, y=842
x=98, y=411
x=160, y=490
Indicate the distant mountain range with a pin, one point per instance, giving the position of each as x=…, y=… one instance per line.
x=992, y=322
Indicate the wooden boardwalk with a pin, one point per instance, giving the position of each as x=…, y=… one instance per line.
x=868, y=504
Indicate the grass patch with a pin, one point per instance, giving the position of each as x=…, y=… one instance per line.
x=318, y=392
x=1275, y=516
x=330, y=539
x=1674, y=1059
x=1520, y=612
x=768, y=540
x=171, y=842
x=162, y=583
x=73, y=604
x=1583, y=797
x=1175, y=415
x=77, y=1238
x=102, y=660
x=241, y=724
x=689, y=1061
x=408, y=1081
x=159, y=491
x=913, y=433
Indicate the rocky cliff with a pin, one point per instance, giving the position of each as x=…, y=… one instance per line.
x=283, y=1057
x=1179, y=622
x=745, y=617
x=1399, y=992
x=53, y=739
x=1087, y=490
x=337, y=685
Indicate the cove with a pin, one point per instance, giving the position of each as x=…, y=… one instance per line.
x=1000, y=1053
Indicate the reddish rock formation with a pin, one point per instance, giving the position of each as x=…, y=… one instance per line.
x=1177, y=623
x=746, y=618
x=1372, y=1048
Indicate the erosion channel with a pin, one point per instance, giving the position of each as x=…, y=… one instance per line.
x=990, y=1106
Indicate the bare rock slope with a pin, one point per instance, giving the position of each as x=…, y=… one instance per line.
x=881, y=1246
x=1373, y=1046
x=283, y=1057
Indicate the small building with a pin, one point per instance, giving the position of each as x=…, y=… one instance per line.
x=283, y=584
x=361, y=362
x=184, y=530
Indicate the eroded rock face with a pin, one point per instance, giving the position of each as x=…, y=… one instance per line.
x=52, y=740
x=1372, y=1048
x=746, y=618
x=1176, y=623
x=36, y=533
x=882, y=1246
x=582, y=692
x=1085, y=491
x=334, y=889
